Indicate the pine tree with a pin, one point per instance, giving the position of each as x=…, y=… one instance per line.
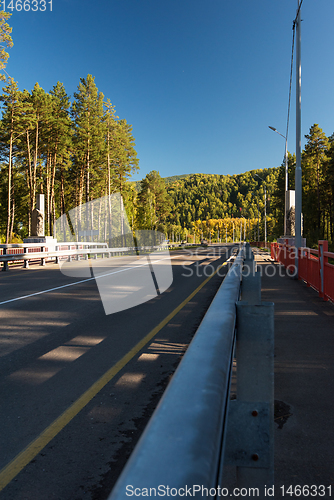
x=87, y=113
x=26, y=152
x=5, y=41
x=313, y=159
x=38, y=141
x=110, y=125
x=13, y=126
x=329, y=169
x=61, y=146
x=125, y=161
x=154, y=204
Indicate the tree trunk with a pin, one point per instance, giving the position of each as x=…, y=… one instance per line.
x=87, y=172
x=62, y=192
x=30, y=183
x=13, y=216
x=35, y=166
x=109, y=189
x=52, y=191
x=9, y=206
x=48, y=193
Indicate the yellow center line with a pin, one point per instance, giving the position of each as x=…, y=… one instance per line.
x=29, y=453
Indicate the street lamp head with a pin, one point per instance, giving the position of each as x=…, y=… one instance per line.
x=272, y=128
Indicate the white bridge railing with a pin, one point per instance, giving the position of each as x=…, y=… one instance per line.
x=25, y=252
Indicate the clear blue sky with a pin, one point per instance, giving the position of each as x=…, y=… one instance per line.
x=199, y=80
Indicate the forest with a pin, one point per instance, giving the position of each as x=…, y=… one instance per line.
x=74, y=151
x=200, y=201
x=77, y=150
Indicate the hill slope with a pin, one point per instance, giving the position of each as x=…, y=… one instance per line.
x=209, y=196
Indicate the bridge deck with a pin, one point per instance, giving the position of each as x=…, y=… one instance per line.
x=304, y=380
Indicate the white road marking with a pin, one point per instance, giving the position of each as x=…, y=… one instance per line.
x=82, y=281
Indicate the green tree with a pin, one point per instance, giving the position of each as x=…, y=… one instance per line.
x=110, y=124
x=60, y=149
x=69, y=156
x=124, y=155
x=329, y=186
x=313, y=161
x=153, y=202
x=37, y=140
x=5, y=41
x=13, y=125
x=87, y=114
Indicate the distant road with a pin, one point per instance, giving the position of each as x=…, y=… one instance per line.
x=78, y=386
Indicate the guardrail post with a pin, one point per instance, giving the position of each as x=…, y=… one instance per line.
x=42, y=259
x=57, y=258
x=26, y=261
x=251, y=279
x=5, y=263
x=250, y=428
x=77, y=257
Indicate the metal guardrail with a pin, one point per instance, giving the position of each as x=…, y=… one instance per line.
x=183, y=445
x=28, y=252
x=182, y=442
x=73, y=250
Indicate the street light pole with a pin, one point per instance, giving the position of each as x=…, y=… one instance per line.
x=265, y=216
x=298, y=172
x=265, y=210
x=286, y=176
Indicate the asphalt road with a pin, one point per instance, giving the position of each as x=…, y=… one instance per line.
x=78, y=386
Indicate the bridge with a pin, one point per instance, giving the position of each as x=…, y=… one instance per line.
x=78, y=387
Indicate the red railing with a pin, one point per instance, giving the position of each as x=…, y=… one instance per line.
x=313, y=265
x=329, y=278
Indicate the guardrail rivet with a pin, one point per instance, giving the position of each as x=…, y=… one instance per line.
x=255, y=413
x=255, y=457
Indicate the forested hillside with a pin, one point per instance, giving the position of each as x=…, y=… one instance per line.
x=76, y=150
x=205, y=198
x=204, y=203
